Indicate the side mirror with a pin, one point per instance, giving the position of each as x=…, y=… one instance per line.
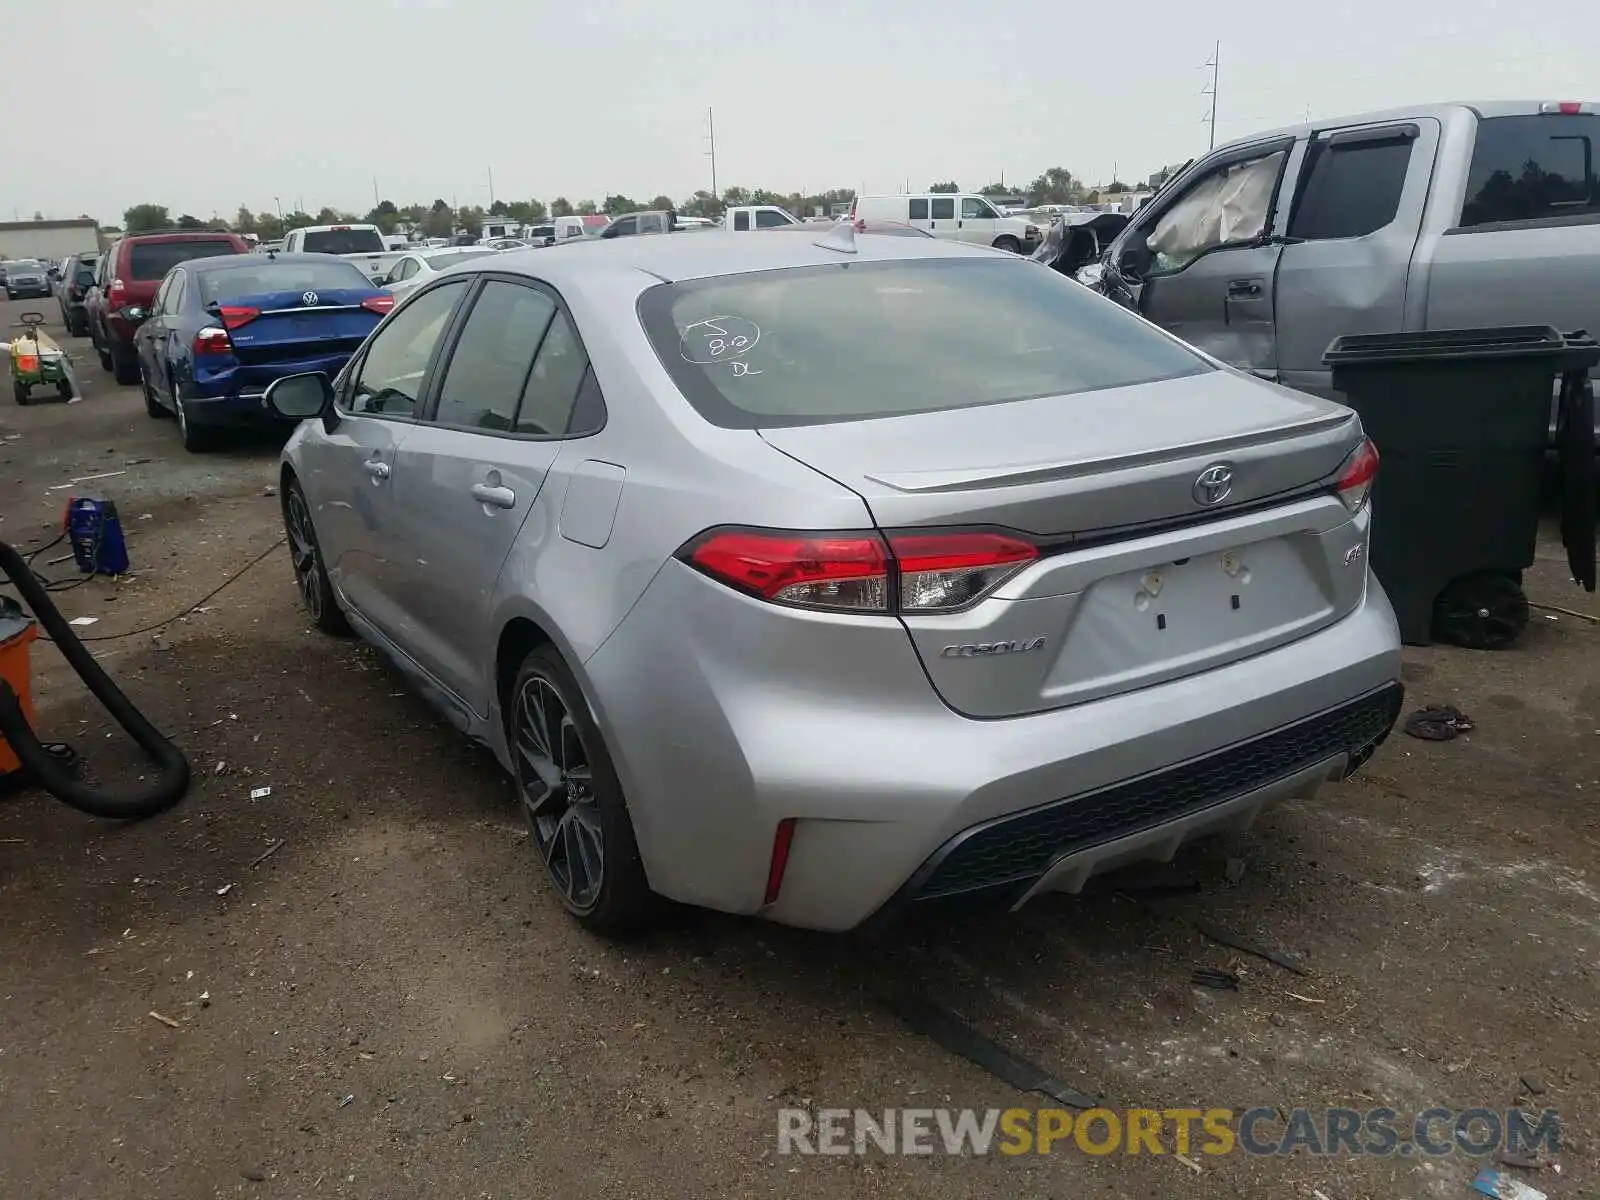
x=298, y=397
x=1133, y=256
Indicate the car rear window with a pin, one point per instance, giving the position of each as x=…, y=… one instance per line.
x=152, y=260
x=1533, y=168
x=853, y=341
x=280, y=277
x=344, y=241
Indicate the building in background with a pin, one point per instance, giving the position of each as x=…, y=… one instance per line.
x=49, y=240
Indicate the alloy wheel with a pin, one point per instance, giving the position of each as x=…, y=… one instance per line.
x=302, y=551
x=556, y=786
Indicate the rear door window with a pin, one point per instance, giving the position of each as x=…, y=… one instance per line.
x=810, y=345
x=918, y=209
x=943, y=208
x=490, y=362
x=152, y=260
x=1532, y=168
x=1351, y=188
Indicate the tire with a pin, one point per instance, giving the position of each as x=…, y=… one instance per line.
x=124, y=365
x=101, y=352
x=569, y=793
x=195, y=438
x=1008, y=243
x=19, y=391
x=64, y=389
x=305, y=555
x=1487, y=610
x=152, y=406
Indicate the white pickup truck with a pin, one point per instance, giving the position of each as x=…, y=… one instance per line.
x=747, y=217
x=363, y=245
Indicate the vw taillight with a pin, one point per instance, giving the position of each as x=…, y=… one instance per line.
x=1357, y=476
x=235, y=315
x=378, y=304
x=908, y=572
x=212, y=340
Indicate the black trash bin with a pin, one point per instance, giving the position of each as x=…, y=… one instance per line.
x=1461, y=419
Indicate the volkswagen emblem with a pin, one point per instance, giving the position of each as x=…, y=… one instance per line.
x=309, y=299
x=1214, y=484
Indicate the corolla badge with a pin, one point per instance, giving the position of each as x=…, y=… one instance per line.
x=309, y=299
x=990, y=649
x=1213, y=485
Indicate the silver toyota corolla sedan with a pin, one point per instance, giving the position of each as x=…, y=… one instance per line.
x=830, y=579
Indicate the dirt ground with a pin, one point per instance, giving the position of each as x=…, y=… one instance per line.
x=392, y=1003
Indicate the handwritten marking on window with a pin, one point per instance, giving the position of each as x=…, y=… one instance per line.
x=740, y=367
x=718, y=339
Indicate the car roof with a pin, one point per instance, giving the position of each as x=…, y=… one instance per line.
x=1479, y=108
x=709, y=253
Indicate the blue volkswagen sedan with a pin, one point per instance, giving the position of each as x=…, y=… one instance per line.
x=221, y=329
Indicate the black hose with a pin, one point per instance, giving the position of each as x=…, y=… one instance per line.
x=46, y=766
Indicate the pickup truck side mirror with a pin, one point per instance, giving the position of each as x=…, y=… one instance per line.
x=1133, y=255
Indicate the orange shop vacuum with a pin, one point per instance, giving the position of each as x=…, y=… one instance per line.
x=24, y=759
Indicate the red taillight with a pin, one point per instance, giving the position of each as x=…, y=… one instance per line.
x=117, y=294
x=860, y=572
x=378, y=304
x=1571, y=108
x=1355, y=481
x=781, y=841
x=212, y=340
x=235, y=315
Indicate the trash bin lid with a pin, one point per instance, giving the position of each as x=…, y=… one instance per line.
x=1575, y=351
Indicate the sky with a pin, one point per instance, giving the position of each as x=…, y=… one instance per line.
x=204, y=107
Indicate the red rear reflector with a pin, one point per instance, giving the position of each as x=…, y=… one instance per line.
x=1355, y=481
x=212, y=340
x=234, y=316
x=781, y=842
x=378, y=304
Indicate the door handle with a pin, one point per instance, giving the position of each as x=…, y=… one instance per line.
x=376, y=468
x=1244, y=289
x=499, y=497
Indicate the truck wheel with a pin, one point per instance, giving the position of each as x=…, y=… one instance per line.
x=1008, y=243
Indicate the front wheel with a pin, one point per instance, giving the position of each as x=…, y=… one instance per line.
x=572, y=799
x=310, y=575
x=1008, y=243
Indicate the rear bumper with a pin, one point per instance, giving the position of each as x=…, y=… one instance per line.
x=240, y=408
x=720, y=730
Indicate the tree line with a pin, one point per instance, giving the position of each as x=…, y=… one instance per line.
x=439, y=219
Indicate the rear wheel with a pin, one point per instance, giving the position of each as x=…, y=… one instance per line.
x=572, y=799
x=103, y=354
x=195, y=438
x=310, y=576
x=1484, y=611
x=19, y=391
x=124, y=364
x=151, y=404
x=64, y=389
x=1008, y=243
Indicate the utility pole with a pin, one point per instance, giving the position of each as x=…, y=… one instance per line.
x=1215, y=63
x=711, y=138
x=491, y=187
x=375, y=200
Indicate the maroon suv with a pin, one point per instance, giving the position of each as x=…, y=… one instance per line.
x=126, y=283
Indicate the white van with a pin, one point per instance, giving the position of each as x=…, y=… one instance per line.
x=956, y=216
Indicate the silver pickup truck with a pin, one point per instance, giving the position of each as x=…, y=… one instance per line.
x=1438, y=217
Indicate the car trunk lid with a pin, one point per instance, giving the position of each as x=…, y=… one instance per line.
x=270, y=330
x=1147, y=571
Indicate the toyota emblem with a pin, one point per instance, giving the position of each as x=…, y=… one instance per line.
x=309, y=299
x=1214, y=484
